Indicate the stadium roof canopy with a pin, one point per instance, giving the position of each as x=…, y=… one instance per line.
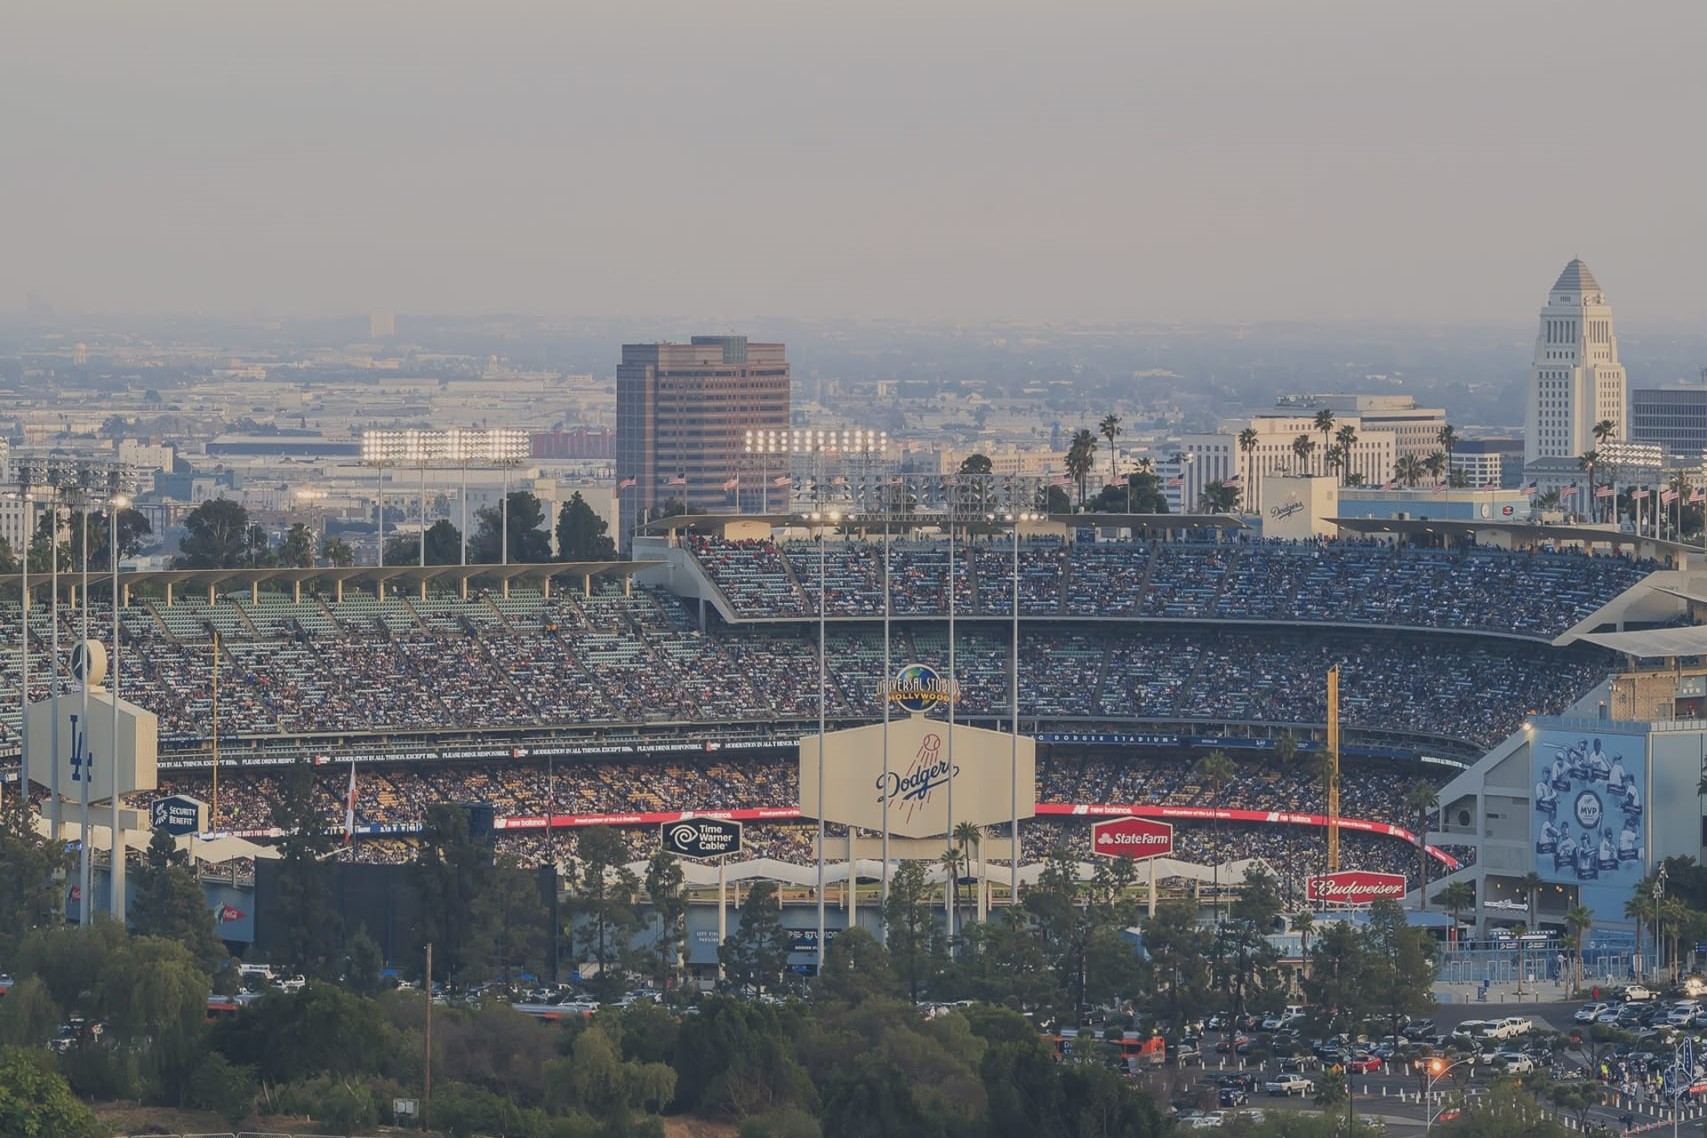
x=359, y=576
x=1520, y=534
x=716, y=523
x=1653, y=643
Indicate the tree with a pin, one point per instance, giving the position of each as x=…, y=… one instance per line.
x=454, y=876
x=1421, y=800
x=443, y=546
x=363, y=962
x=1324, y=421
x=1447, y=437
x=37, y=1102
x=603, y=901
x=968, y=837
x=756, y=955
x=1109, y=428
x=1408, y=469
x=1179, y=952
x=1641, y=908
x=1346, y=437
x=1399, y=974
x=1285, y=749
x=1457, y=897
x=1435, y=464
x=296, y=550
x=1217, y=770
x=528, y=541
x=1531, y=884
x=216, y=536
x=1302, y=448
x=581, y=534
x=910, y=927
x=224, y=1088
x=1303, y=923
x=856, y=969
x=303, y=908
x=335, y=551
x=1578, y=920
x=667, y=892
x=170, y=903
x=30, y=896
x=1248, y=442
x=1081, y=456
x=133, y=526
x=1218, y=498
x=519, y=918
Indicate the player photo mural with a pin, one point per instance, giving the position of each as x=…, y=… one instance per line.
x=1588, y=815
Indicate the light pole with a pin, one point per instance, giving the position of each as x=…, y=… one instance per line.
x=888, y=669
x=116, y=875
x=1659, y=917
x=85, y=864
x=819, y=518
x=1437, y=1069
x=26, y=502
x=1013, y=715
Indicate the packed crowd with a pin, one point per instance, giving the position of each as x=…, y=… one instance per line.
x=617, y=658
x=400, y=796
x=1486, y=590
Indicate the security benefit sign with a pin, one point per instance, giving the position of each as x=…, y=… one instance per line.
x=1586, y=822
x=701, y=837
x=988, y=775
x=1354, y=887
x=1134, y=838
x=178, y=814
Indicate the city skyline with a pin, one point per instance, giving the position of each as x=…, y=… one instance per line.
x=1218, y=162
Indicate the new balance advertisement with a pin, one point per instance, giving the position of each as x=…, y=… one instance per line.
x=1589, y=807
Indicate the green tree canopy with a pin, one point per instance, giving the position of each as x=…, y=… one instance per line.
x=581, y=534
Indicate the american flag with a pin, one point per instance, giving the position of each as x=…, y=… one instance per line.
x=1605, y=492
x=1060, y=480
x=784, y=480
x=628, y=484
x=1233, y=481
x=678, y=480
x=1529, y=489
x=1640, y=494
x=838, y=480
x=1668, y=496
x=1569, y=491
x=1696, y=495
x=1176, y=482
x=732, y=483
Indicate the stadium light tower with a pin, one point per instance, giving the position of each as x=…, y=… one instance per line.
x=820, y=519
x=499, y=447
x=116, y=503
x=26, y=504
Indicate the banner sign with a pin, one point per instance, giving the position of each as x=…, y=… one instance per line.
x=1354, y=887
x=1134, y=838
x=701, y=837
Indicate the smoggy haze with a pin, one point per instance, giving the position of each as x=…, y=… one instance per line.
x=1134, y=160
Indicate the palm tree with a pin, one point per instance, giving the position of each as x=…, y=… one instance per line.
x=1144, y=465
x=950, y=862
x=1346, y=437
x=1457, y=897
x=1325, y=424
x=1604, y=432
x=1579, y=919
x=1248, y=439
x=968, y=836
x=1217, y=770
x=1302, y=448
x=1333, y=458
x=1421, y=800
x=1435, y=464
x=1081, y=456
x=1218, y=498
x=1589, y=460
x=1531, y=884
x=1447, y=436
x=1640, y=909
x=1408, y=469
x=1304, y=924
x=1110, y=430
x=1285, y=748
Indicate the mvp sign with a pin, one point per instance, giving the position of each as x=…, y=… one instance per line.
x=1132, y=838
x=1355, y=887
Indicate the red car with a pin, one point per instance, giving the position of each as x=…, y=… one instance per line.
x=1363, y=1065
x=1450, y=1114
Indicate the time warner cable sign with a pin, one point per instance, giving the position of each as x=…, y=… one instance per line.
x=701, y=837
x=924, y=755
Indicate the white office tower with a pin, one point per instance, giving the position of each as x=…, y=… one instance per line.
x=1576, y=380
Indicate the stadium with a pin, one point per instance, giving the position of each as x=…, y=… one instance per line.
x=632, y=693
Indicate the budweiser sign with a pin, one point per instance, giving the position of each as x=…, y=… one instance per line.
x=1355, y=887
x=1132, y=838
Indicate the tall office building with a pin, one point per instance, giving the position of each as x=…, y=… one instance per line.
x=682, y=416
x=1674, y=417
x=1576, y=380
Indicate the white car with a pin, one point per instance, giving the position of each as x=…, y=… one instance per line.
x=1637, y=992
x=1514, y=1062
x=1508, y=1028
x=1589, y=1013
x=1289, y=1085
x=1683, y=1013
x=1210, y=1121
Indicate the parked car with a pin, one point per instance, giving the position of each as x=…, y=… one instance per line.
x=1635, y=992
x=1363, y=1065
x=1514, y=1062
x=1588, y=1013
x=1289, y=1085
x=1232, y=1096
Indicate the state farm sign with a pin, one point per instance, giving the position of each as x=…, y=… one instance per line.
x=1355, y=887
x=1132, y=838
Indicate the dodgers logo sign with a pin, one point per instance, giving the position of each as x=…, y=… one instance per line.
x=910, y=790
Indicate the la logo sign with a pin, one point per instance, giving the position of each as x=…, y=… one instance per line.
x=1355, y=887
x=1132, y=838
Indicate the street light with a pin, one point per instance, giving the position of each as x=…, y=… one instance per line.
x=115, y=877
x=1015, y=520
x=1437, y=1069
x=820, y=518
x=1659, y=916
x=26, y=501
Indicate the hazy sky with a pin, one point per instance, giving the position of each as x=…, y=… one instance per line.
x=1057, y=159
